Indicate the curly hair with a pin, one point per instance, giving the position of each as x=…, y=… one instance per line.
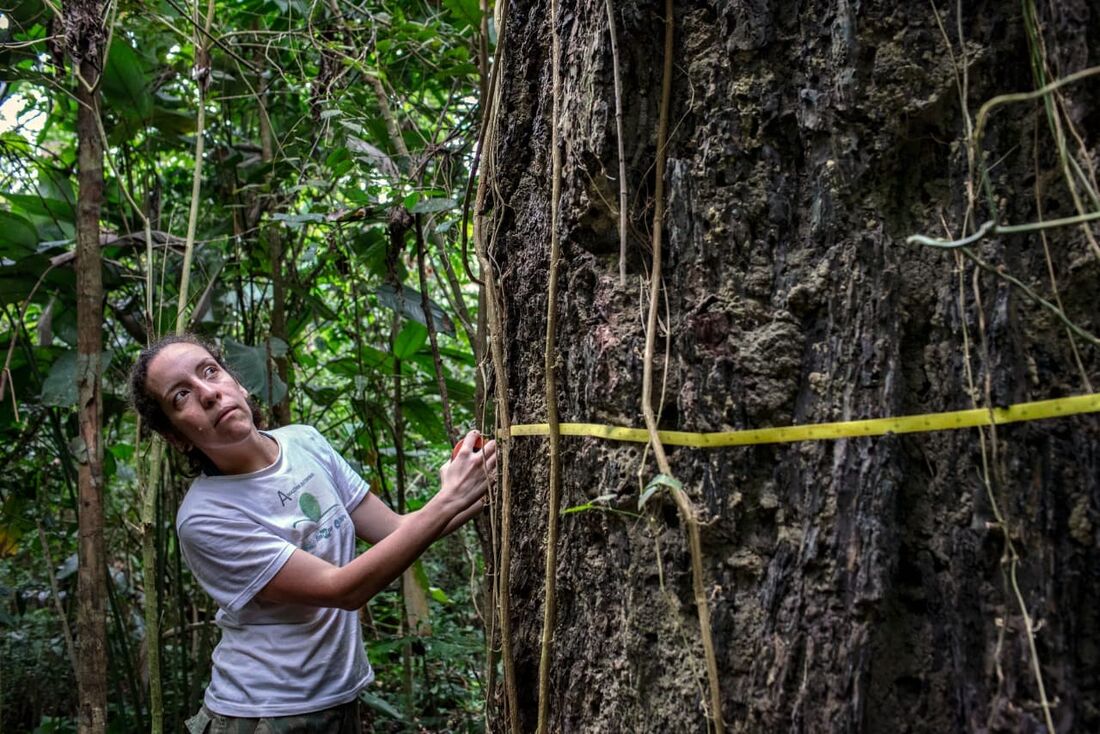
x=148, y=407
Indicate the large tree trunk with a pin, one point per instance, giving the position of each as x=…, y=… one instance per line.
x=857, y=584
x=85, y=36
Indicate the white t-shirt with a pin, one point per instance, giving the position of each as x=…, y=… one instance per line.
x=236, y=532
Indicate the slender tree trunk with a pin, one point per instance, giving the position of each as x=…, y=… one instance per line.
x=84, y=24
x=280, y=411
x=153, y=638
x=944, y=581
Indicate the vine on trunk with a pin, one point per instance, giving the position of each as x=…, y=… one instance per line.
x=550, y=357
x=503, y=421
x=975, y=166
x=683, y=503
x=619, y=137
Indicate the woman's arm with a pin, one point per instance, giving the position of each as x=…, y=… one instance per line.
x=307, y=579
x=374, y=520
x=398, y=541
x=461, y=518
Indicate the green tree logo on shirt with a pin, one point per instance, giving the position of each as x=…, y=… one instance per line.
x=320, y=533
x=310, y=507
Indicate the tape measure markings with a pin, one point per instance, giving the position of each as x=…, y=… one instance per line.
x=921, y=423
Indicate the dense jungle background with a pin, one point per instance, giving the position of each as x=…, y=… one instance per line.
x=404, y=219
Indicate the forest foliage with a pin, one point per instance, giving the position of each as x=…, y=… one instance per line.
x=334, y=149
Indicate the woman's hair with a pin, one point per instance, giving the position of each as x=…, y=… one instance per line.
x=148, y=407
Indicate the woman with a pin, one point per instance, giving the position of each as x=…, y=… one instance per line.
x=268, y=529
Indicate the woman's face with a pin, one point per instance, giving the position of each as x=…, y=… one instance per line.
x=207, y=407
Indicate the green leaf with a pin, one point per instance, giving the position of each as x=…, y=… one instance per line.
x=420, y=575
x=439, y=595
x=59, y=387
x=598, y=503
x=371, y=248
x=408, y=304
x=172, y=122
x=417, y=611
x=18, y=280
x=56, y=185
x=310, y=507
x=291, y=6
x=53, y=209
x=384, y=646
x=323, y=395
x=409, y=340
x=373, y=156
x=370, y=360
x=460, y=391
x=295, y=221
x=19, y=239
x=15, y=143
x=122, y=451
x=124, y=83
x=343, y=366
x=431, y=206
x=64, y=322
x=425, y=419
x=339, y=162
x=375, y=358
x=655, y=484
x=378, y=703
x=67, y=568
x=25, y=12
x=666, y=481
x=466, y=12
x=318, y=306
x=462, y=356
x=252, y=367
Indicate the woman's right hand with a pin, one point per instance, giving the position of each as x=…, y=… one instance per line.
x=465, y=478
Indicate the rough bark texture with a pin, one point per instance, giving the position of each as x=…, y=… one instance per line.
x=85, y=36
x=856, y=585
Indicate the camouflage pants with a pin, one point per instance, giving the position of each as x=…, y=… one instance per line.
x=342, y=719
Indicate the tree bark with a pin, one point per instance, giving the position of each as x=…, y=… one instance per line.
x=85, y=35
x=861, y=584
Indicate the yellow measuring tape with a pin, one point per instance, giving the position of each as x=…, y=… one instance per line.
x=825, y=431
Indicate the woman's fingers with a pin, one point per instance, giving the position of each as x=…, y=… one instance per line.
x=471, y=442
x=466, y=474
x=489, y=454
x=471, y=467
